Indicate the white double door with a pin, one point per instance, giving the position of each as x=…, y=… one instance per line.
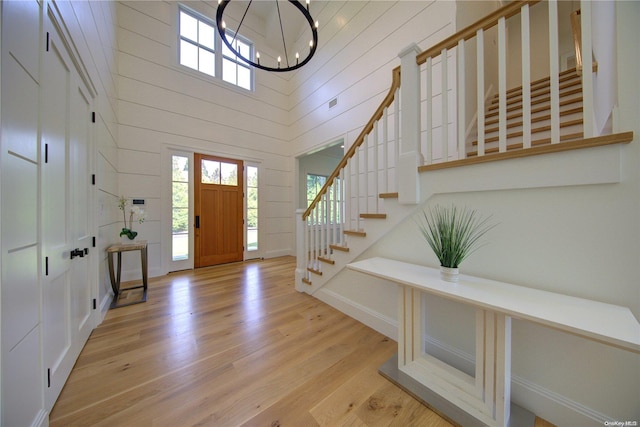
x=66, y=194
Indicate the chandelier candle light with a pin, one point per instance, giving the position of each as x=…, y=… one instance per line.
x=222, y=27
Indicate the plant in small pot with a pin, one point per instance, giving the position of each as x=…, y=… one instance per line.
x=133, y=211
x=453, y=234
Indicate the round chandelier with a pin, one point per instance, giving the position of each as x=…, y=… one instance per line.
x=287, y=65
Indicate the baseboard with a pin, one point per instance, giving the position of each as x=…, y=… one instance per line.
x=279, y=253
x=545, y=403
x=554, y=407
x=376, y=321
x=105, y=302
x=42, y=420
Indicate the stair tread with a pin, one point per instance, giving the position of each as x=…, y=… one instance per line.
x=513, y=104
x=533, y=130
x=326, y=260
x=339, y=248
x=373, y=215
x=314, y=271
x=539, y=88
x=563, y=103
x=511, y=117
x=355, y=233
x=534, y=143
x=388, y=195
x=307, y=281
x=563, y=76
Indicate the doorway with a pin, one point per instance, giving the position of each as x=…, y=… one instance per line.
x=219, y=208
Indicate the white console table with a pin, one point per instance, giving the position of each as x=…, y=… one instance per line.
x=486, y=396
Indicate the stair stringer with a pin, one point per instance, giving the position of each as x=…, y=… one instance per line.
x=377, y=307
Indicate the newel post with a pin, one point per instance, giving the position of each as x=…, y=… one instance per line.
x=300, y=257
x=410, y=154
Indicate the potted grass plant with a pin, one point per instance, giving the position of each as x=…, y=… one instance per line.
x=453, y=234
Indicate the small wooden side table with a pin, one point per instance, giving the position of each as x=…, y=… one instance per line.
x=115, y=279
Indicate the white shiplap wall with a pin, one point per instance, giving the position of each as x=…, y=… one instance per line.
x=163, y=105
x=359, y=49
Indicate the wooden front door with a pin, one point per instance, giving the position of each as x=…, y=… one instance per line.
x=218, y=210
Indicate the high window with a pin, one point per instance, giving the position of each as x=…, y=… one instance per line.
x=199, y=49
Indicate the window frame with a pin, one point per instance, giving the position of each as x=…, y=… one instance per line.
x=218, y=51
x=335, y=217
x=253, y=253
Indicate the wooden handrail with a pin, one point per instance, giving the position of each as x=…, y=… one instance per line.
x=577, y=39
x=386, y=102
x=485, y=23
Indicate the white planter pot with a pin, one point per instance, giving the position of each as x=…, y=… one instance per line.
x=449, y=274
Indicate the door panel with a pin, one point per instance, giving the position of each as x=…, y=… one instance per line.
x=80, y=189
x=219, y=206
x=66, y=214
x=55, y=234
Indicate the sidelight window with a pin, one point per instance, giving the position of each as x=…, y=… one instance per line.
x=180, y=208
x=252, y=208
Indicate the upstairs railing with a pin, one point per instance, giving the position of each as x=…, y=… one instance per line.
x=441, y=76
x=452, y=58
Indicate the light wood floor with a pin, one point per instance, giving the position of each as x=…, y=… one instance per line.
x=235, y=345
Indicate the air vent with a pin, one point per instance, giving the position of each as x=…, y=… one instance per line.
x=333, y=102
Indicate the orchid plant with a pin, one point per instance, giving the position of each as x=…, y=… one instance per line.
x=133, y=211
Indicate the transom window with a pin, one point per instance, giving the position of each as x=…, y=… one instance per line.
x=198, y=49
x=219, y=173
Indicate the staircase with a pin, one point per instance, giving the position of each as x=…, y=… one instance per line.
x=360, y=201
x=571, y=115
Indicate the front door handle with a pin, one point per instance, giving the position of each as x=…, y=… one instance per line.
x=197, y=221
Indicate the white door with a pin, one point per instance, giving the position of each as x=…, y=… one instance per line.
x=65, y=214
x=80, y=189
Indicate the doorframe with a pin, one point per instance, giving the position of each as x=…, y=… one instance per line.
x=167, y=264
x=221, y=190
x=258, y=254
x=166, y=237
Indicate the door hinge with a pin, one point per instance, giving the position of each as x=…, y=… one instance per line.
x=48, y=377
x=95, y=304
x=47, y=41
x=46, y=266
x=93, y=241
x=93, y=117
x=93, y=179
x=46, y=153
